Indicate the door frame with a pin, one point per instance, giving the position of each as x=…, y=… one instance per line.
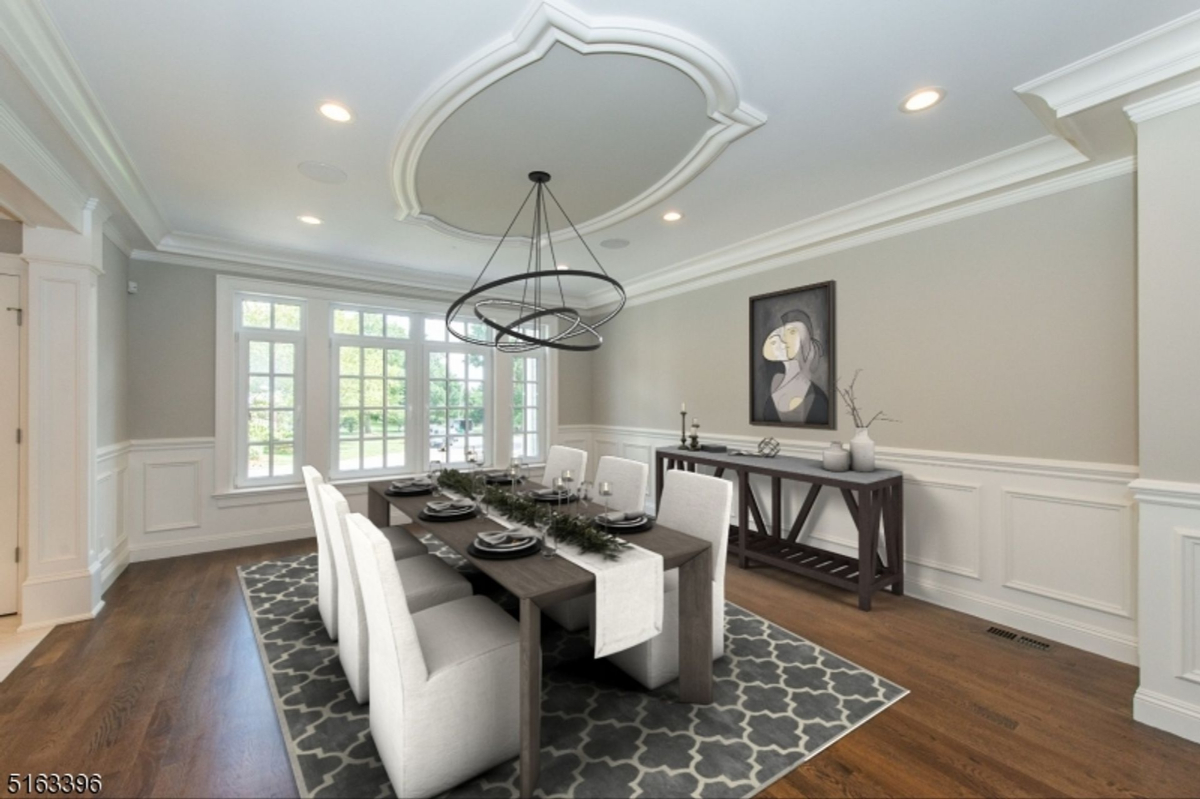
x=15, y=265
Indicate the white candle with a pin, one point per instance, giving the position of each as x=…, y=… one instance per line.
x=683, y=407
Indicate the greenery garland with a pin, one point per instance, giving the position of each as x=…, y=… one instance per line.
x=575, y=530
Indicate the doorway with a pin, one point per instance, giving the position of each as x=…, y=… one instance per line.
x=10, y=448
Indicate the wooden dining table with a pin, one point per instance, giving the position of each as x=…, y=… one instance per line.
x=538, y=582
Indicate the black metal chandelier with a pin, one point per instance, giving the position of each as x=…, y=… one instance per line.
x=538, y=301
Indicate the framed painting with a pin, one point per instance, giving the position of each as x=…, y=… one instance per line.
x=792, y=367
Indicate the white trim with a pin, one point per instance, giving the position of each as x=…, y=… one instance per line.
x=555, y=22
x=1166, y=492
x=976, y=489
x=1164, y=103
x=51, y=195
x=1158, y=54
x=937, y=200
x=29, y=37
x=198, y=498
x=41, y=625
x=212, y=543
x=1167, y=713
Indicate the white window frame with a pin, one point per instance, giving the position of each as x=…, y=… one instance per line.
x=242, y=337
x=541, y=406
x=319, y=381
x=489, y=404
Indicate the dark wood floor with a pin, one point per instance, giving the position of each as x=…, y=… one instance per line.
x=164, y=695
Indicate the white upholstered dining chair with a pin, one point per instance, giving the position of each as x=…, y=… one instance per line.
x=560, y=459
x=404, y=543
x=427, y=579
x=444, y=681
x=698, y=505
x=628, y=480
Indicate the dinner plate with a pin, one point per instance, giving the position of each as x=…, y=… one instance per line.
x=646, y=523
x=454, y=515
x=524, y=542
x=503, y=479
x=564, y=498
x=523, y=552
x=408, y=491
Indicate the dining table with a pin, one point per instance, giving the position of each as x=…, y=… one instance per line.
x=538, y=582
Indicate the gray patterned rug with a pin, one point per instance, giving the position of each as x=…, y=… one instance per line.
x=778, y=701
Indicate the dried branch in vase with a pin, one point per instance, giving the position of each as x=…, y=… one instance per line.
x=851, y=401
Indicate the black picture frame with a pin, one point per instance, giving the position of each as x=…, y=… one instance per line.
x=801, y=324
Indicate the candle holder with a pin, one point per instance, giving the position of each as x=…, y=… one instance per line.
x=683, y=429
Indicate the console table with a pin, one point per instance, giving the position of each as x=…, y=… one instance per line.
x=872, y=497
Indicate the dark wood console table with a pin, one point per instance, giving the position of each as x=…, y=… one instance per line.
x=870, y=496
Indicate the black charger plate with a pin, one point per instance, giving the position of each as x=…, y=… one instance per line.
x=648, y=524
x=503, y=480
x=460, y=517
x=408, y=492
x=564, y=500
x=475, y=552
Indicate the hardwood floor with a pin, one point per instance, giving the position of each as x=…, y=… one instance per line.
x=164, y=695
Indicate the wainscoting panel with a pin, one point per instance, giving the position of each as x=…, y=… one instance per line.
x=111, y=546
x=172, y=497
x=1046, y=547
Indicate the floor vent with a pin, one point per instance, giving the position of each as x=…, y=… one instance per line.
x=1017, y=638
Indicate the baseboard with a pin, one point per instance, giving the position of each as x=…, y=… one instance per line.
x=115, y=566
x=1167, y=713
x=200, y=544
x=44, y=623
x=1056, y=628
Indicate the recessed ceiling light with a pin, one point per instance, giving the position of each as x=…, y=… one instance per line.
x=322, y=172
x=672, y=216
x=563, y=266
x=922, y=99
x=336, y=111
x=309, y=219
x=614, y=244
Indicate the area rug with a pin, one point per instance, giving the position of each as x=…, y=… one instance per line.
x=779, y=700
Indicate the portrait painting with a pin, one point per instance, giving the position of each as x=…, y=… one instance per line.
x=792, y=372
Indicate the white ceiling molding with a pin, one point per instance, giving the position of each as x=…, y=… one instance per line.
x=1158, y=54
x=31, y=40
x=280, y=263
x=1164, y=103
x=114, y=233
x=555, y=22
x=33, y=185
x=924, y=203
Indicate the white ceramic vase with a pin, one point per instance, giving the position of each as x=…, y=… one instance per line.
x=862, y=451
x=835, y=458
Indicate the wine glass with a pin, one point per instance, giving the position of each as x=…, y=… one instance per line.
x=479, y=488
x=566, y=479
x=435, y=472
x=514, y=475
x=605, y=490
x=543, y=519
x=585, y=493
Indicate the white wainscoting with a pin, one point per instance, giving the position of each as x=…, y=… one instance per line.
x=112, y=512
x=1046, y=547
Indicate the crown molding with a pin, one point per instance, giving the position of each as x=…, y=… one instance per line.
x=1164, y=103
x=554, y=22
x=30, y=39
x=942, y=198
x=280, y=263
x=47, y=194
x=1159, y=54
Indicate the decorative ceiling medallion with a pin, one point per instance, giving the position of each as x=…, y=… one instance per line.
x=554, y=22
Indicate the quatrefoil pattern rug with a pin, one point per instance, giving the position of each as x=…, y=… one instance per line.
x=779, y=700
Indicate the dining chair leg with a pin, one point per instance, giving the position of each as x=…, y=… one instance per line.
x=695, y=630
x=531, y=696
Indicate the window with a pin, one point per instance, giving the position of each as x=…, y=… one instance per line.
x=457, y=405
x=270, y=334
x=363, y=386
x=371, y=365
x=528, y=415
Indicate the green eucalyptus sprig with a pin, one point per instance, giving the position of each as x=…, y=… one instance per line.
x=456, y=481
x=580, y=532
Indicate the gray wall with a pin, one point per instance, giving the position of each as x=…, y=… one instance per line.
x=112, y=417
x=574, y=388
x=172, y=351
x=1008, y=333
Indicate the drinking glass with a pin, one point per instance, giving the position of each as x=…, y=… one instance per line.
x=567, y=478
x=585, y=493
x=435, y=471
x=605, y=489
x=479, y=487
x=514, y=476
x=543, y=519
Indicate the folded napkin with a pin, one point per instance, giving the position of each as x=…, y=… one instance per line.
x=453, y=504
x=416, y=482
x=507, y=539
x=622, y=516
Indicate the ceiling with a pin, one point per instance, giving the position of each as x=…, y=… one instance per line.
x=745, y=121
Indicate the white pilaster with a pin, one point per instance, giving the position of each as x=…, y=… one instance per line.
x=63, y=581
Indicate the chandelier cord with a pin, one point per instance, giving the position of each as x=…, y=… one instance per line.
x=562, y=295
x=500, y=243
x=573, y=228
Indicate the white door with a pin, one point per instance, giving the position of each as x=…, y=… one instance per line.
x=10, y=420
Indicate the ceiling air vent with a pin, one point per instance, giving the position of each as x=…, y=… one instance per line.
x=1017, y=638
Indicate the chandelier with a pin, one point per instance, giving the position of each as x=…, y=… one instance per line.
x=543, y=299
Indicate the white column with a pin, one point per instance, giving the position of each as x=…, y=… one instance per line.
x=1168, y=490
x=63, y=580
